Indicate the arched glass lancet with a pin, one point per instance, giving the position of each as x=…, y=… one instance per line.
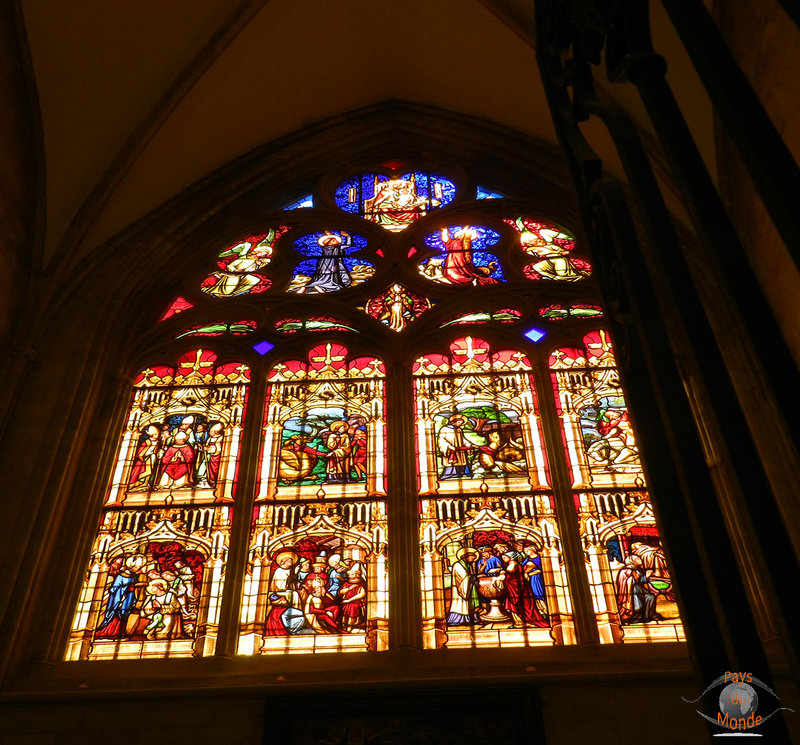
x=154, y=584
x=317, y=578
x=631, y=586
x=492, y=570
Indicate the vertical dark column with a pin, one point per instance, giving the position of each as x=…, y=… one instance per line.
x=405, y=605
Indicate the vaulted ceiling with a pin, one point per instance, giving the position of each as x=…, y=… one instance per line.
x=140, y=100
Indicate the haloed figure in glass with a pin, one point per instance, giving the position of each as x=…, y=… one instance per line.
x=331, y=273
x=459, y=267
x=184, y=452
x=396, y=204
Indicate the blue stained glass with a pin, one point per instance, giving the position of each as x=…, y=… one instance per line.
x=302, y=203
x=485, y=237
x=464, y=260
x=482, y=193
x=394, y=202
x=309, y=245
x=330, y=266
x=534, y=334
x=308, y=267
x=263, y=347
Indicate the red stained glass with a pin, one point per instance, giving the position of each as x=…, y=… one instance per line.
x=178, y=305
x=312, y=323
x=396, y=307
x=558, y=312
x=541, y=239
x=559, y=268
x=155, y=375
x=198, y=364
x=219, y=328
x=154, y=584
x=328, y=356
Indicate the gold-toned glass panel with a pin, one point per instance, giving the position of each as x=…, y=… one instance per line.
x=632, y=591
x=153, y=587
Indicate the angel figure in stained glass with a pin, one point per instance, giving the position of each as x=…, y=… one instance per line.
x=237, y=278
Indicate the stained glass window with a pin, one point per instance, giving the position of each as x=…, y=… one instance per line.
x=240, y=266
x=396, y=307
x=552, y=248
x=488, y=527
x=630, y=582
x=332, y=262
x=462, y=256
x=558, y=312
x=291, y=325
x=501, y=315
x=483, y=193
x=400, y=340
x=394, y=201
x=154, y=583
x=237, y=328
x=178, y=305
x=302, y=203
x=317, y=576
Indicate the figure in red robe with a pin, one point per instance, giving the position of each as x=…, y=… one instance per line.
x=322, y=612
x=213, y=450
x=353, y=596
x=144, y=465
x=458, y=267
x=177, y=462
x=520, y=602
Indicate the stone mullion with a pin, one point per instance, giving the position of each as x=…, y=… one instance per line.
x=239, y=540
x=405, y=603
x=572, y=547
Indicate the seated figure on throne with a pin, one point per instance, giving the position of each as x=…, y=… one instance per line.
x=396, y=204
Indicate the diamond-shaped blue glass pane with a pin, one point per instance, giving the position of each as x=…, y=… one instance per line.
x=534, y=334
x=263, y=347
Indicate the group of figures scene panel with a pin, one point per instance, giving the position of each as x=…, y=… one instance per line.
x=181, y=441
x=317, y=579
